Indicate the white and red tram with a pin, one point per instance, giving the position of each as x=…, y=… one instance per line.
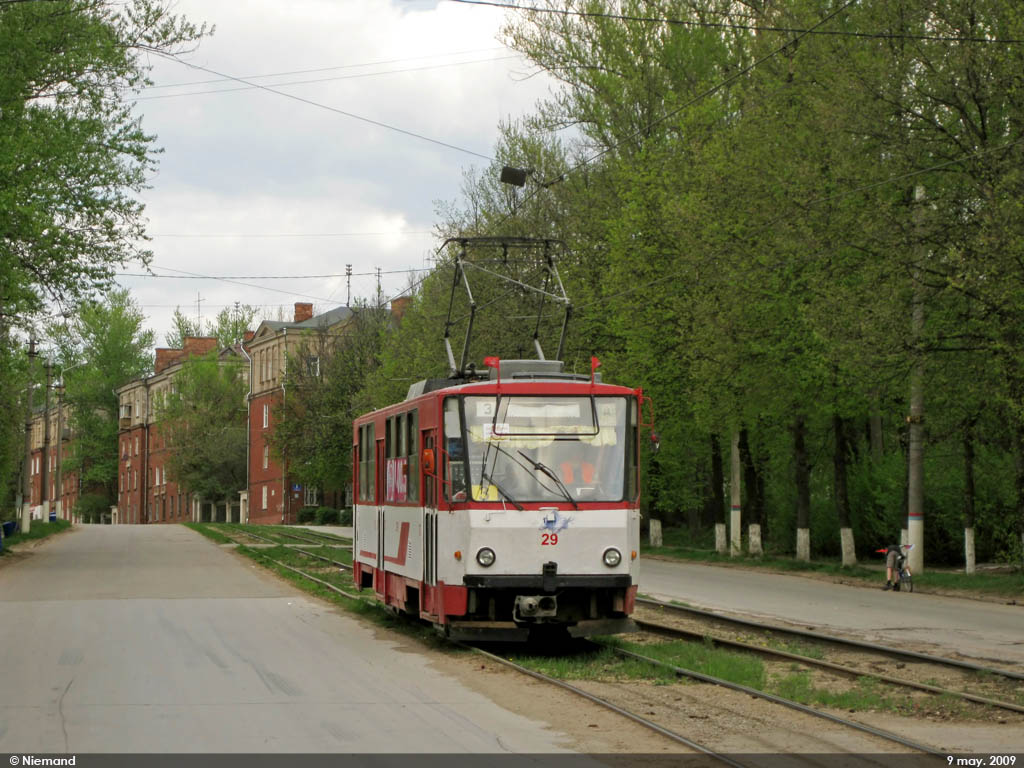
x=496, y=507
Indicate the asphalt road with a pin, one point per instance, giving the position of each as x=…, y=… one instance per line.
x=152, y=639
x=992, y=632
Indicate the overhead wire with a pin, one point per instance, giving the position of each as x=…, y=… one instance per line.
x=310, y=102
x=327, y=79
x=742, y=27
x=325, y=69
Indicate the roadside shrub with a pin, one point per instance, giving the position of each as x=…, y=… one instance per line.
x=346, y=516
x=328, y=516
x=307, y=515
x=92, y=507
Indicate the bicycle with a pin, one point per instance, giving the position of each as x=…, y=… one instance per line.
x=904, y=578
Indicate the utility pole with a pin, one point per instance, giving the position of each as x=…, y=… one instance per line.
x=736, y=503
x=26, y=507
x=44, y=484
x=59, y=388
x=915, y=458
x=348, y=280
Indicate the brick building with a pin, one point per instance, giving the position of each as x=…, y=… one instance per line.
x=146, y=492
x=272, y=496
x=47, y=462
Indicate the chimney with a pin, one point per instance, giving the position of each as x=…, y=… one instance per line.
x=248, y=336
x=166, y=357
x=399, y=307
x=303, y=312
x=198, y=345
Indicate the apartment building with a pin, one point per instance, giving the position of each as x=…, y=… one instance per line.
x=272, y=496
x=53, y=488
x=147, y=493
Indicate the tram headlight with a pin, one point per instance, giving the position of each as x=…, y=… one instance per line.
x=485, y=556
x=611, y=557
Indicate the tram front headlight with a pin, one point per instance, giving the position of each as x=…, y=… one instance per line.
x=611, y=557
x=485, y=556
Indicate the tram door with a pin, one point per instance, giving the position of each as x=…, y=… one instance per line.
x=381, y=476
x=428, y=482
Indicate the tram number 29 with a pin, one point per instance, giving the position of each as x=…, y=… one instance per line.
x=548, y=539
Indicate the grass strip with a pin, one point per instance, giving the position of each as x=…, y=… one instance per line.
x=38, y=530
x=995, y=584
x=210, y=533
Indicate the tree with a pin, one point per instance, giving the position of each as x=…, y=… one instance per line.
x=72, y=155
x=228, y=327
x=326, y=374
x=103, y=347
x=203, y=422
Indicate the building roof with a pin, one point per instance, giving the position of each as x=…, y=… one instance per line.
x=326, y=320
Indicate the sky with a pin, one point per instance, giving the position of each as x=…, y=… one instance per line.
x=252, y=183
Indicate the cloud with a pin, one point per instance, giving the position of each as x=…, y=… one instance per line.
x=255, y=163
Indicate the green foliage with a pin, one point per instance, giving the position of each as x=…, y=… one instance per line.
x=228, y=327
x=328, y=516
x=93, y=508
x=345, y=516
x=324, y=382
x=72, y=154
x=104, y=347
x=203, y=421
x=307, y=515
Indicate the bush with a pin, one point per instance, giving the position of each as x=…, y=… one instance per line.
x=92, y=507
x=307, y=515
x=328, y=516
x=346, y=516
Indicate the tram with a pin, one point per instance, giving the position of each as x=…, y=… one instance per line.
x=503, y=506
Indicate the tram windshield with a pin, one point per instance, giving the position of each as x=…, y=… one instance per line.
x=518, y=448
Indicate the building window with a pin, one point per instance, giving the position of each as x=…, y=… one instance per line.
x=135, y=479
x=266, y=415
x=264, y=497
x=312, y=497
x=266, y=456
x=136, y=445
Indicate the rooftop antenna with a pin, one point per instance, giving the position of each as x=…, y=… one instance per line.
x=199, y=312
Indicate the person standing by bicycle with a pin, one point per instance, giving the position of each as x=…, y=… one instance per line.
x=892, y=553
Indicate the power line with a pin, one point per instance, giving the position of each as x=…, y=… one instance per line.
x=326, y=69
x=194, y=276
x=293, y=234
x=328, y=79
x=743, y=27
x=312, y=103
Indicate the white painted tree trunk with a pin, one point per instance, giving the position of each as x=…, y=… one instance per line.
x=969, y=561
x=849, y=551
x=735, y=509
x=803, y=544
x=754, y=540
x=904, y=537
x=654, y=533
x=720, y=538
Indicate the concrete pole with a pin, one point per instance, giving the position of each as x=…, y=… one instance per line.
x=26, y=508
x=60, y=449
x=44, y=485
x=735, y=510
x=915, y=473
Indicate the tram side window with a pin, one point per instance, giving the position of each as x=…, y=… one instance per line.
x=367, y=463
x=631, y=450
x=412, y=446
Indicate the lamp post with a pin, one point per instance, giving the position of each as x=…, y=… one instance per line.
x=26, y=507
x=58, y=387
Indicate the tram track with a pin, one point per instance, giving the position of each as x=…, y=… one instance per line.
x=849, y=658
x=618, y=708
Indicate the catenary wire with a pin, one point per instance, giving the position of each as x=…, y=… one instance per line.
x=317, y=104
x=743, y=27
x=190, y=83
x=327, y=79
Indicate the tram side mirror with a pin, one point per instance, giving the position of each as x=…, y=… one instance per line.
x=428, y=461
x=655, y=442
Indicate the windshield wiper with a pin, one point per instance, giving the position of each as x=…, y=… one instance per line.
x=551, y=473
x=501, y=490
